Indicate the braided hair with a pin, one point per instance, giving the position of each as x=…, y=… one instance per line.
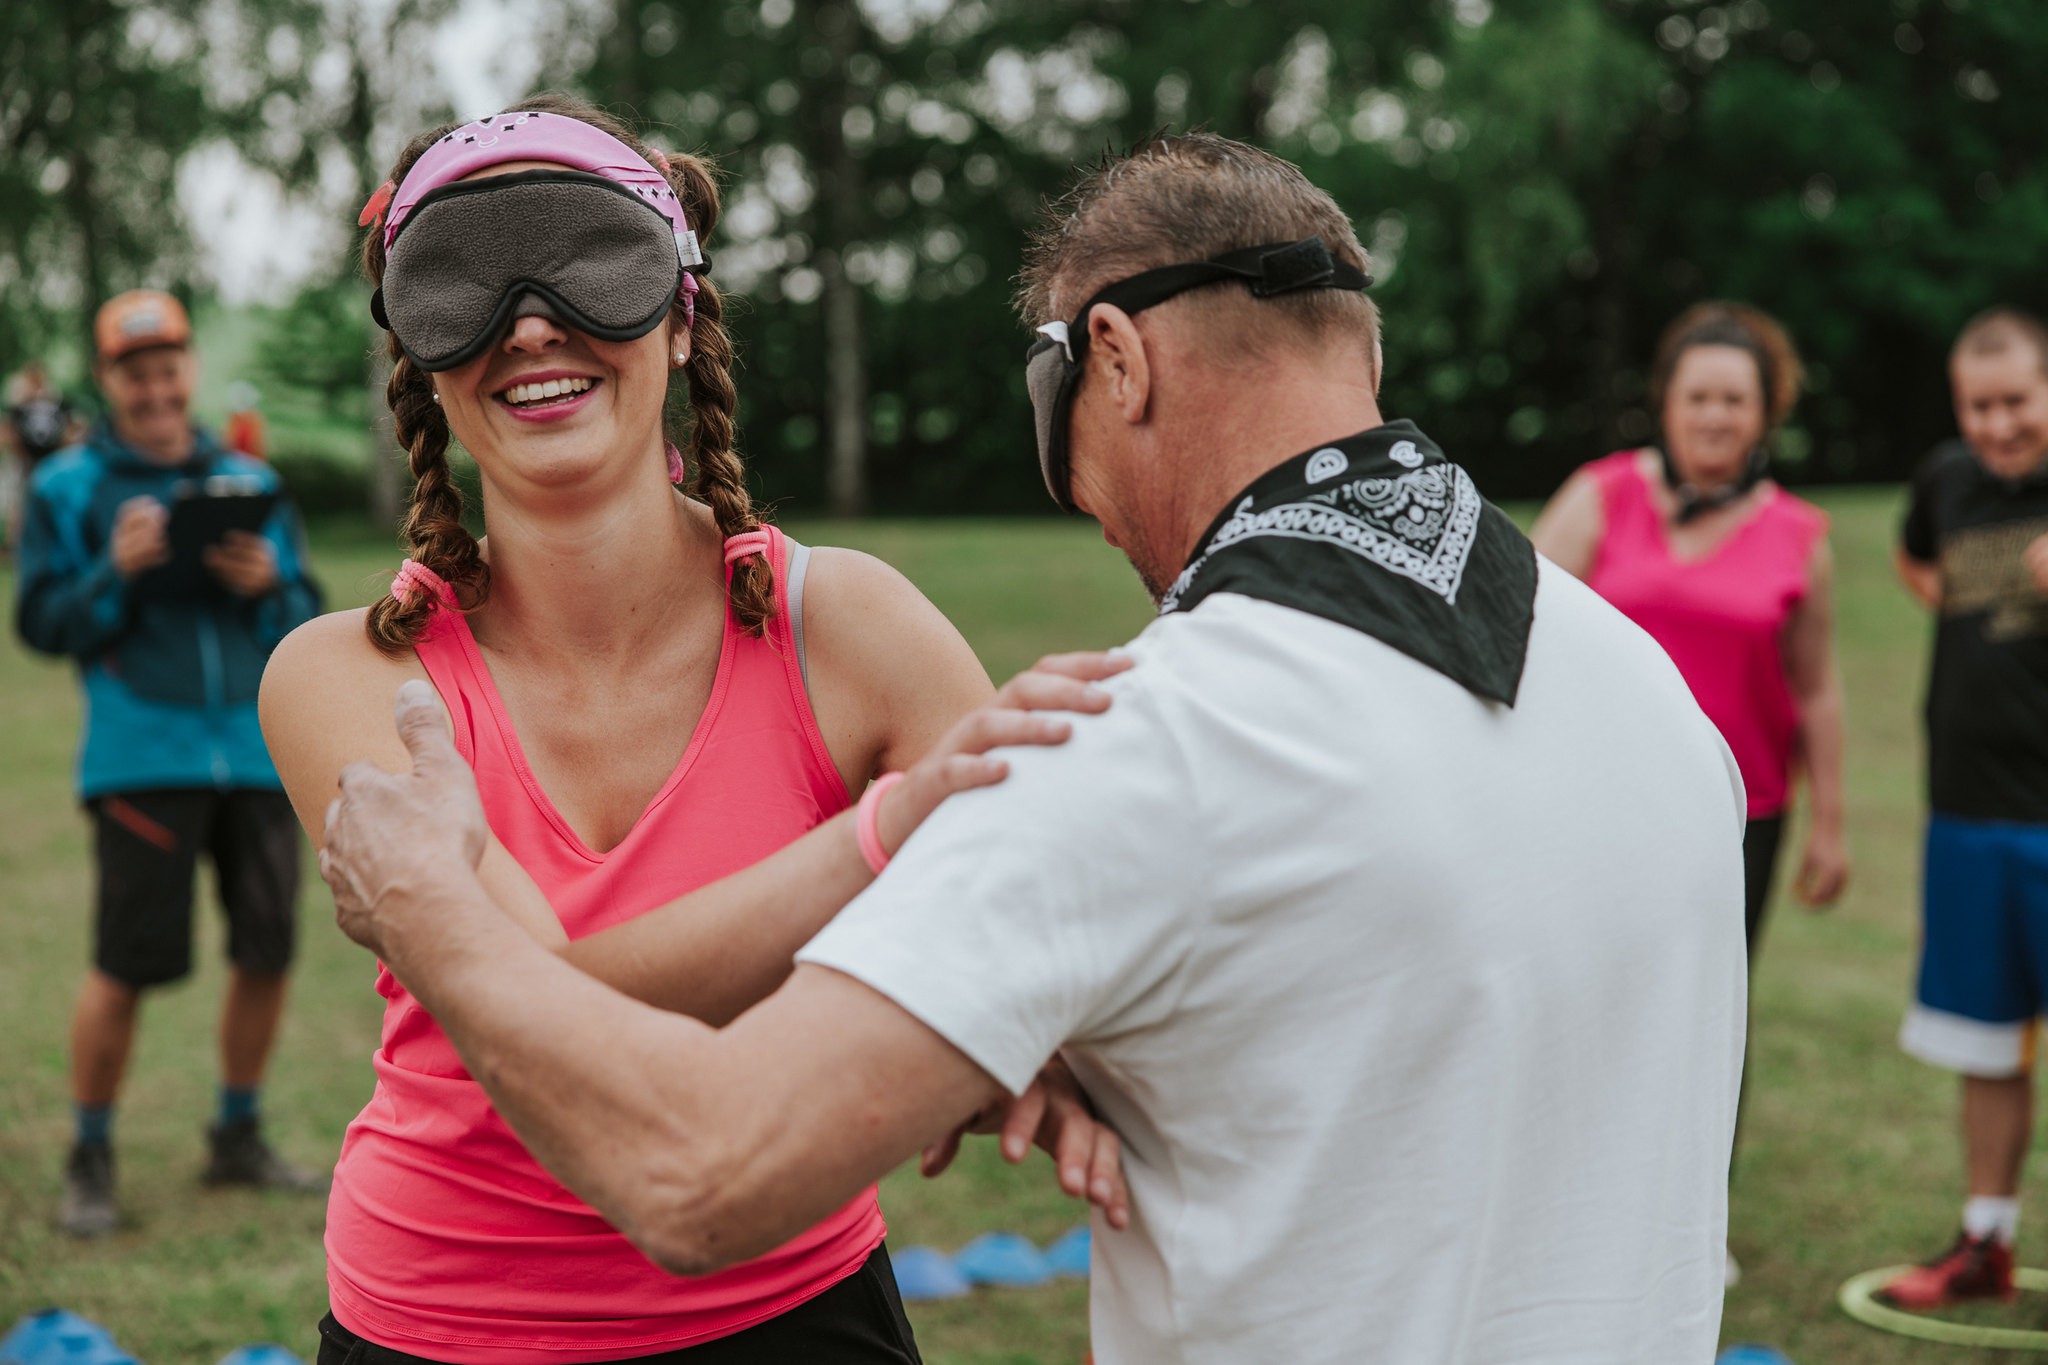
x=704, y=424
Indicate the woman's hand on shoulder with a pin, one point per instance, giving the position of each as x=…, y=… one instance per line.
x=961, y=760
x=889, y=674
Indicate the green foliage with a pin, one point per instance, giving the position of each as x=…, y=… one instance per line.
x=319, y=344
x=1543, y=183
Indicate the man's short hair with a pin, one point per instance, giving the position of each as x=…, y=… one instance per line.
x=1188, y=197
x=1997, y=330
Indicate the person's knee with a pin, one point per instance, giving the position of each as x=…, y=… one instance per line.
x=109, y=995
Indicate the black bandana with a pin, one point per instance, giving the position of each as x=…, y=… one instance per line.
x=1381, y=533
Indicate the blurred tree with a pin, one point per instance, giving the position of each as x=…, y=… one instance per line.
x=1543, y=184
x=98, y=101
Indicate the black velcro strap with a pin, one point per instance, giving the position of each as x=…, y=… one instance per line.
x=1269, y=269
x=1305, y=265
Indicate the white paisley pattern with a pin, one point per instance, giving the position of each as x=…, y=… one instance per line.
x=1420, y=525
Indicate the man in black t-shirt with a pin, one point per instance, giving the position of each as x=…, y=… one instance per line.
x=1974, y=550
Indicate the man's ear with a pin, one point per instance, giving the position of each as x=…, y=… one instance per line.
x=1115, y=345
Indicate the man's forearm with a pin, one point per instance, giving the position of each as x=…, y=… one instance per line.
x=718, y=951
x=601, y=1091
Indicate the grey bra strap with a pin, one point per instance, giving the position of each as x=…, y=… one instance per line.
x=799, y=561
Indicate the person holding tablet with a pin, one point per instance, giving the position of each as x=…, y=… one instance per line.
x=167, y=568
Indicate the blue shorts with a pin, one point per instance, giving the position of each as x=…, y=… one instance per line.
x=1983, y=947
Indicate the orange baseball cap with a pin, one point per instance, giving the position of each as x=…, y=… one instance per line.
x=138, y=319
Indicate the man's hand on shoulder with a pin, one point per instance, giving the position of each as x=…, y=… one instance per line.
x=395, y=839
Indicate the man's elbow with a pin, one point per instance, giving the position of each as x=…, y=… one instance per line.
x=691, y=1214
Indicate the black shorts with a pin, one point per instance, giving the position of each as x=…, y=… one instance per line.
x=147, y=847
x=858, y=1321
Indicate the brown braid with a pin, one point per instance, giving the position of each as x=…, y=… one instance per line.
x=433, y=527
x=434, y=533
x=721, y=481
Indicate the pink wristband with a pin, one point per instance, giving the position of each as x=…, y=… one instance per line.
x=864, y=822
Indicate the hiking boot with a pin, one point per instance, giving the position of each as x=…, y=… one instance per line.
x=89, y=1209
x=242, y=1157
x=1974, y=1268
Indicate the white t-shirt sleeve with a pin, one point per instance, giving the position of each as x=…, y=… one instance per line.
x=1055, y=906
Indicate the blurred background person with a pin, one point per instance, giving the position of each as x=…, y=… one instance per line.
x=1695, y=543
x=245, y=429
x=39, y=423
x=172, y=763
x=1974, y=551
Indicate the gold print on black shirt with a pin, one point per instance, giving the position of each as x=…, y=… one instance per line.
x=1983, y=572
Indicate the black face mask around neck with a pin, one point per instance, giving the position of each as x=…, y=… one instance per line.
x=1053, y=365
x=1692, y=503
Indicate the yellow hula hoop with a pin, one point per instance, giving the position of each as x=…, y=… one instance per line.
x=1858, y=1299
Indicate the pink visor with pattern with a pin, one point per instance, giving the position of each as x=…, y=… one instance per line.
x=597, y=240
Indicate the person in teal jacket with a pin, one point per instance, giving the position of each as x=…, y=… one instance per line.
x=171, y=764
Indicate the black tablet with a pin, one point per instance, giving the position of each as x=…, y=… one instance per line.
x=203, y=511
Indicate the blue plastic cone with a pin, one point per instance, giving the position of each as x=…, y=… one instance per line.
x=1750, y=1353
x=924, y=1274
x=57, y=1336
x=1069, y=1255
x=1003, y=1258
x=265, y=1354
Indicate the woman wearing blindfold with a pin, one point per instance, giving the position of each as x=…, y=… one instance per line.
x=656, y=692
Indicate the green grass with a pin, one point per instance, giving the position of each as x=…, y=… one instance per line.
x=1849, y=1157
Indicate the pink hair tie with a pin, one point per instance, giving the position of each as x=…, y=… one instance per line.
x=414, y=577
x=865, y=819
x=746, y=543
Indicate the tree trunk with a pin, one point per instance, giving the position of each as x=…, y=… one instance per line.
x=387, y=461
x=839, y=215
x=78, y=196
x=386, y=482
x=846, y=391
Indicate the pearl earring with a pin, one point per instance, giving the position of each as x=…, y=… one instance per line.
x=437, y=398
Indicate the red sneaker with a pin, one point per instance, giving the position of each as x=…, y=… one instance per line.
x=1974, y=1268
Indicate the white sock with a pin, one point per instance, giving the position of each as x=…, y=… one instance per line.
x=1986, y=1214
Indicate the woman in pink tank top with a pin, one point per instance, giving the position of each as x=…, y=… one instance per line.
x=1730, y=573
x=655, y=692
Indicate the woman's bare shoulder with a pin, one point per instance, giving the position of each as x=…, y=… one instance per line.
x=328, y=674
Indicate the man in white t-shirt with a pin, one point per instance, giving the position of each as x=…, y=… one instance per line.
x=1391, y=914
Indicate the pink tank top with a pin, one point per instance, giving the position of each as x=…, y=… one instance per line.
x=1721, y=618
x=445, y=1239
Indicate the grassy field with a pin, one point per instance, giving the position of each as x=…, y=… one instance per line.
x=1849, y=1157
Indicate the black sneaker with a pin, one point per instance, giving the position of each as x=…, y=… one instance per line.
x=242, y=1157
x=89, y=1209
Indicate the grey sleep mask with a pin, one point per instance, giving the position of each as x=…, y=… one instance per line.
x=475, y=254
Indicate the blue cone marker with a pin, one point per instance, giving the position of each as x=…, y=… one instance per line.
x=1750, y=1353
x=265, y=1354
x=57, y=1336
x=1003, y=1258
x=926, y=1274
x=1068, y=1256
